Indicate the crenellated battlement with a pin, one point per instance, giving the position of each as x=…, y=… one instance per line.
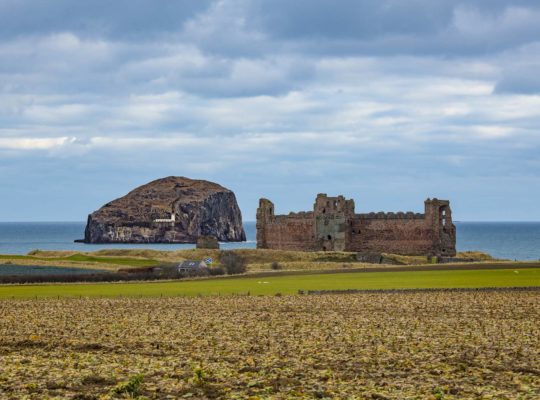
x=392, y=215
x=333, y=225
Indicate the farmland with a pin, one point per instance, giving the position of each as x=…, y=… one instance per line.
x=286, y=283
x=437, y=345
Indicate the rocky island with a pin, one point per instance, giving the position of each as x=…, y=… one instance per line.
x=168, y=210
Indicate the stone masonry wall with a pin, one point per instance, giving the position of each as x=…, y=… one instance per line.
x=397, y=236
x=290, y=233
x=334, y=226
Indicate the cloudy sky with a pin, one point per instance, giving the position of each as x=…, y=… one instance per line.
x=385, y=101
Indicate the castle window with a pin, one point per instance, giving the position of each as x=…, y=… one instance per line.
x=329, y=237
x=443, y=216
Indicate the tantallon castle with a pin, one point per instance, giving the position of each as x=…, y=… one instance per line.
x=333, y=225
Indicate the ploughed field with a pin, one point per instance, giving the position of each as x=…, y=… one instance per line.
x=381, y=345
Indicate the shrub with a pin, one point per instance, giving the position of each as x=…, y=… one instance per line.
x=215, y=271
x=232, y=262
x=276, y=266
x=131, y=387
x=199, y=375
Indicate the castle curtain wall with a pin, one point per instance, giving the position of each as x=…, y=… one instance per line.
x=285, y=232
x=334, y=226
x=407, y=236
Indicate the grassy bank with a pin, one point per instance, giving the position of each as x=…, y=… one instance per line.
x=289, y=284
x=256, y=259
x=77, y=260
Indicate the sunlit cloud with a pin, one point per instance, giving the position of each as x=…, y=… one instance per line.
x=35, y=143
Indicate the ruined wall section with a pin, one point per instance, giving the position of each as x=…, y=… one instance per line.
x=333, y=216
x=401, y=233
x=295, y=231
x=439, y=217
x=431, y=233
x=333, y=226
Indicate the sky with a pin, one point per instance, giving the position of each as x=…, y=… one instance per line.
x=388, y=102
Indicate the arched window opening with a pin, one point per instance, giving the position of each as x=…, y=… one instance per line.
x=443, y=216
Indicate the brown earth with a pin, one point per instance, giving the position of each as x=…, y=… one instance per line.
x=429, y=345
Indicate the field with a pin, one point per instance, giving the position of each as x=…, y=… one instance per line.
x=78, y=260
x=256, y=259
x=437, y=345
x=285, y=284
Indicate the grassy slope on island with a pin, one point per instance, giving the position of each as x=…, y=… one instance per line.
x=289, y=284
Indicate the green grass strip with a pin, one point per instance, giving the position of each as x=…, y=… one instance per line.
x=286, y=284
x=82, y=258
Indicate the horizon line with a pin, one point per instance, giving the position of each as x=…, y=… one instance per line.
x=250, y=221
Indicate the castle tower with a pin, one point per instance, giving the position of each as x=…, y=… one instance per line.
x=332, y=220
x=439, y=219
x=265, y=214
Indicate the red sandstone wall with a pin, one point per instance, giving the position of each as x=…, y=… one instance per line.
x=290, y=233
x=409, y=236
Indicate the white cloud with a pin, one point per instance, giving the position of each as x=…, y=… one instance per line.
x=127, y=143
x=230, y=92
x=35, y=143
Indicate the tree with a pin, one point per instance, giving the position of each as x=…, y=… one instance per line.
x=232, y=262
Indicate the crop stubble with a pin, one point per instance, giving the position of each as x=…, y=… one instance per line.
x=382, y=345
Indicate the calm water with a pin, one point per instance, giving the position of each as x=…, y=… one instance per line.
x=513, y=240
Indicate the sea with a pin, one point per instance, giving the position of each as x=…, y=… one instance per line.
x=508, y=240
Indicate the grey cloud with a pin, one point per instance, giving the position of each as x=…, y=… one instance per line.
x=372, y=27
x=519, y=71
x=253, y=28
x=520, y=79
x=351, y=19
x=134, y=19
x=341, y=92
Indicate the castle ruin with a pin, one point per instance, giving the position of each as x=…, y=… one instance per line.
x=334, y=226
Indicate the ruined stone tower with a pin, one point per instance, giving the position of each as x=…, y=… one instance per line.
x=334, y=226
x=333, y=216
